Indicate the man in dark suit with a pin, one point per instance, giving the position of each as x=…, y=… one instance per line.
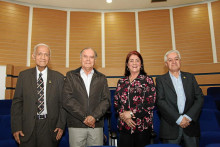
x=37, y=116
x=86, y=99
x=179, y=100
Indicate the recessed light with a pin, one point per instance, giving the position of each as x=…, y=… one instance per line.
x=109, y=1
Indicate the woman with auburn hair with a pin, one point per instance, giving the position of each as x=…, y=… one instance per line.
x=134, y=101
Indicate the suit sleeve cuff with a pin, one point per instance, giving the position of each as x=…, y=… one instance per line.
x=179, y=120
x=187, y=117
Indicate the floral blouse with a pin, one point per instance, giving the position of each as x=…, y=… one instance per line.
x=139, y=97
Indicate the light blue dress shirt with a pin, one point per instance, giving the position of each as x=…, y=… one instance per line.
x=181, y=97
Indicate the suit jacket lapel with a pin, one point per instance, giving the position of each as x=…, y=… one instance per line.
x=93, y=82
x=169, y=82
x=82, y=84
x=34, y=82
x=185, y=86
x=184, y=81
x=49, y=83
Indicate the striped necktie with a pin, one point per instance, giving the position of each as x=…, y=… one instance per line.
x=40, y=93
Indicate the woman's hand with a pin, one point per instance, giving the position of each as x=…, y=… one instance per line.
x=130, y=122
x=126, y=115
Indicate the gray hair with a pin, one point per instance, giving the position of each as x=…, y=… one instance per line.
x=41, y=44
x=87, y=49
x=171, y=51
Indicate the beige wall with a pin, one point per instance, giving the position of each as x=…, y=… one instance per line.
x=49, y=26
x=120, y=37
x=192, y=32
x=13, y=33
x=155, y=36
x=85, y=31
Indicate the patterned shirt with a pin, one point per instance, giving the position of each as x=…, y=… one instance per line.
x=139, y=97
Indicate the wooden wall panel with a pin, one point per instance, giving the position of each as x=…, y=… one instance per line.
x=208, y=79
x=192, y=33
x=120, y=38
x=14, y=33
x=202, y=68
x=9, y=82
x=49, y=26
x=155, y=36
x=9, y=94
x=9, y=69
x=113, y=74
x=216, y=22
x=85, y=31
x=112, y=82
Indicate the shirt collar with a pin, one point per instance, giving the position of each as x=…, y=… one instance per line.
x=172, y=76
x=83, y=72
x=44, y=72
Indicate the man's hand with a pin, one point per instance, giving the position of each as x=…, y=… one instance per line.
x=90, y=121
x=130, y=122
x=185, y=122
x=16, y=136
x=59, y=133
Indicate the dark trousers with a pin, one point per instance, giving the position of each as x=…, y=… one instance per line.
x=134, y=140
x=184, y=140
x=41, y=136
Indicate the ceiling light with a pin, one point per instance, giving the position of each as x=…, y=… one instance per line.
x=109, y=1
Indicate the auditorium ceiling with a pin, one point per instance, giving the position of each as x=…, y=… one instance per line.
x=103, y=5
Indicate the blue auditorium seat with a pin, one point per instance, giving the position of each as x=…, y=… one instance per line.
x=5, y=107
x=214, y=91
x=217, y=102
x=209, y=102
x=207, y=138
x=114, y=133
x=106, y=130
x=114, y=118
x=64, y=141
x=8, y=143
x=156, y=126
x=213, y=145
x=210, y=127
x=209, y=120
x=6, y=138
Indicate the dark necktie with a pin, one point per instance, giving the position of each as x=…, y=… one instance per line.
x=40, y=93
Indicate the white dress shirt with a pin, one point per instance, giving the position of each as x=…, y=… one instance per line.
x=87, y=79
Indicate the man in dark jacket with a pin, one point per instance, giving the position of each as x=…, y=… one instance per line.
x=179, y=100
x=86, y=100
x=37, y=116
